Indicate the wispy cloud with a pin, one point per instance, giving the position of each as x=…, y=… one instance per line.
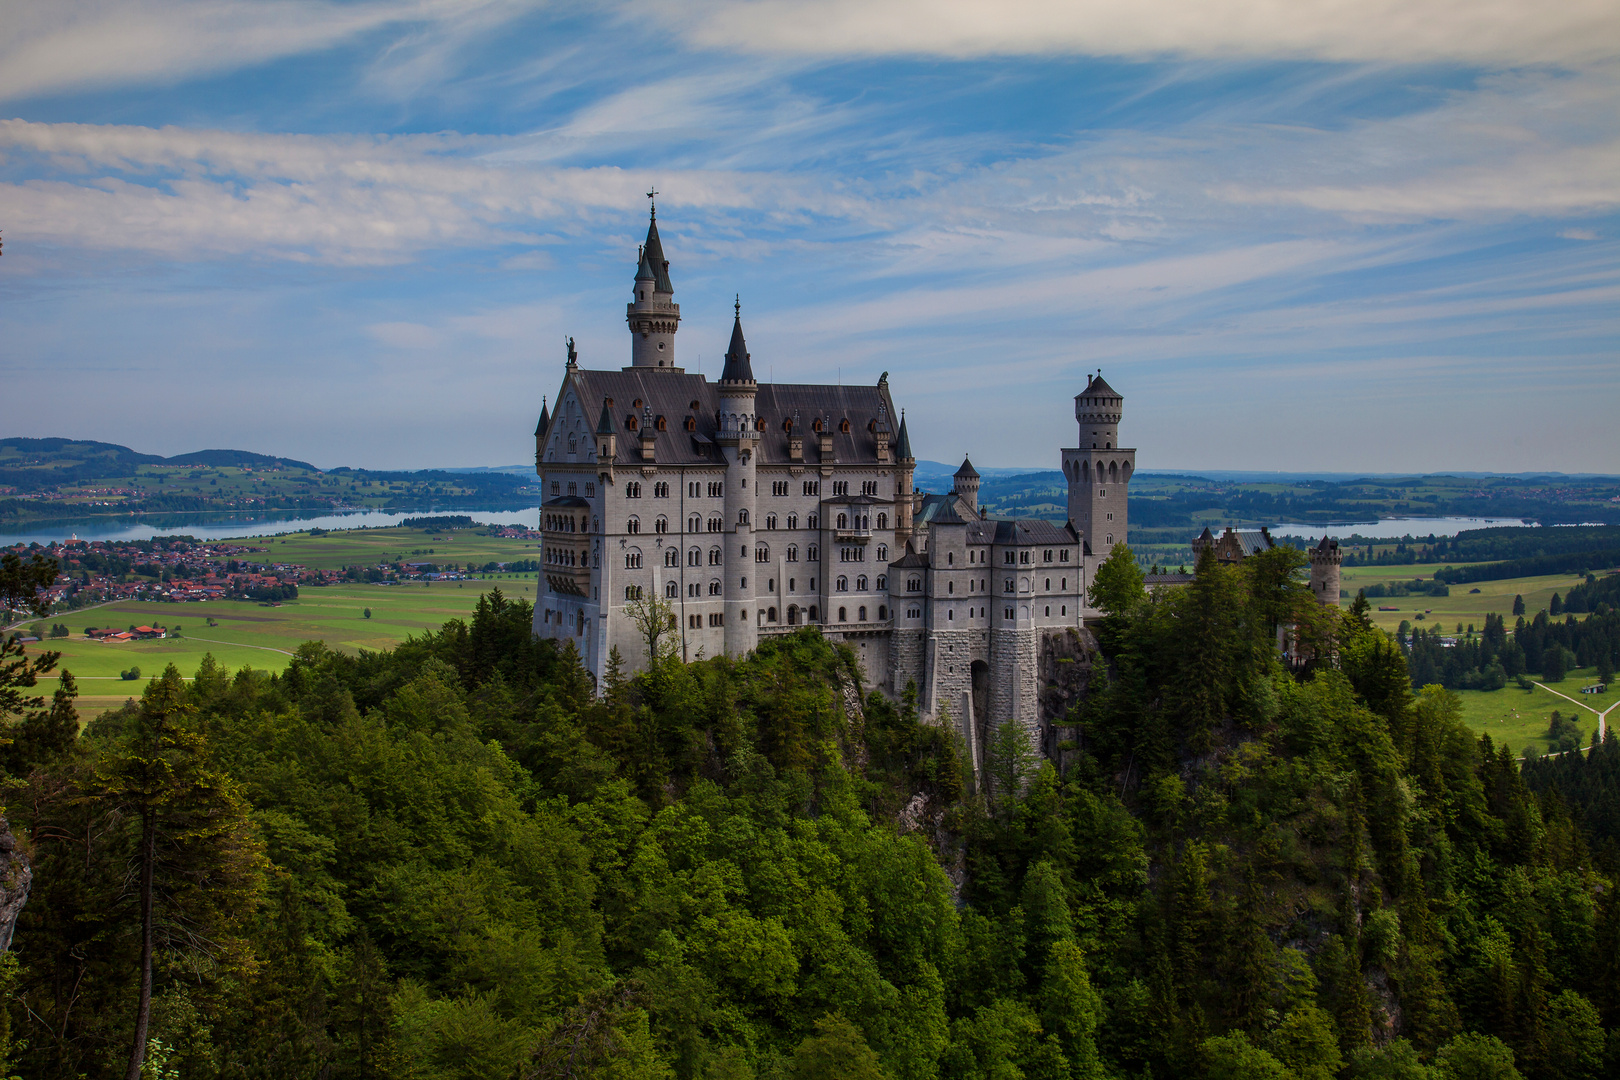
x=1575, y=31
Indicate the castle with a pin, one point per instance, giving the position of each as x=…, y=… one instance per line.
x=753, y=509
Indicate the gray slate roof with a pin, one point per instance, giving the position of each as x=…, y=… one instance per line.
x=654, y=253
x=1031, y=531
x=670, y=394
x=1095, y=387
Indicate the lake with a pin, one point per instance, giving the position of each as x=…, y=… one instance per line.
x=227, y=525
x=1395, y=528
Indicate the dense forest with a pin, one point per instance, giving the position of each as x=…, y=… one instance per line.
x=1545, y=645
x=458, y=860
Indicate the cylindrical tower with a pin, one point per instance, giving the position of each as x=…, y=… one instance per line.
x=904, y=499
x=653, y=314
x=1099, y=469
x=965, y=485
x=1326, y=560
x=737, y=432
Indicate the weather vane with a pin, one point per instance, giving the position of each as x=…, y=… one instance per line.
x=652, y=196
x=737, y=307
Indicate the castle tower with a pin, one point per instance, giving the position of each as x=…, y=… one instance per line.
x=965, y=485
x=737, y=432
x=540, y=430
x=1099, y=469
x=904, y=501
x=653, y=315
x=1325, y=562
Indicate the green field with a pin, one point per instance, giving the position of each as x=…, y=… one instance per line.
x=251, y=635
x=1461, y=606
x=1520, y=717
x=367, y=547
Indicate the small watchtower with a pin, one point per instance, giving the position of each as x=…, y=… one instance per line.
x=1326, y=560
x=965, y=486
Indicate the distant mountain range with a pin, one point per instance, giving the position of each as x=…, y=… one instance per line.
x=26, y=463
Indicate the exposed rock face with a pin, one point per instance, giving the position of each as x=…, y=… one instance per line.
x=16, y=878
x=1065, y=669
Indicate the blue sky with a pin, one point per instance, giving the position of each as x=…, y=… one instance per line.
x=1315, y=234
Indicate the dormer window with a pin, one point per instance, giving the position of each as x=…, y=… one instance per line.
x=843, y=426
x=660, y=425
x=691, y=423
x=630, y=423
x=815, y=425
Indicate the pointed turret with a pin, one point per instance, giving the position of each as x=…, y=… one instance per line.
x=540, y=436
x=966, y=486
x=604, y=426
x=738, y=368
x=653, y=255
x=902, y=448
x=653, y=315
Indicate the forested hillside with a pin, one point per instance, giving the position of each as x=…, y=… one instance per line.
x=453, y=860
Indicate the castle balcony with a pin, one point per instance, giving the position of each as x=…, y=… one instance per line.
x=858, y=535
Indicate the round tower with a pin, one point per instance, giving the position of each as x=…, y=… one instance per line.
x=1326, y=560
x=653, y=314
x=737, y=432
x=1099, y=469
x=965, y=485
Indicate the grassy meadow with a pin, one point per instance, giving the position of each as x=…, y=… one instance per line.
x=1461, y=606
x=251, y=635
x=1519, y=718
x=367, y=547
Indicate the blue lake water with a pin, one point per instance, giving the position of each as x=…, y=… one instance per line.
x=1395, y=528
x=230, y=525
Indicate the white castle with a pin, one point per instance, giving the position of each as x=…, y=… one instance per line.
x=755, y=509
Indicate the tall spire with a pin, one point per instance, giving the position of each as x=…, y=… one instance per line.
x=902, y=449
x=604, y=426
x=653, y=253
x=545, y=420
x=738, y=368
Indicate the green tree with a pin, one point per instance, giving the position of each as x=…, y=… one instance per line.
x=1472, y=1056
x=1396, y=1060
x=1116, y=587
x=1234, y=1057
x=837, y=1051
x=1518, y=604
x=367, y=613
x=1575, y=1038
x=198, y=861
x=1554, y=664
x=1306, y=1043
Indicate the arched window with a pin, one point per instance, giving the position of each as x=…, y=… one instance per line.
x=883, y=612
x=694, y=524
x=671, y=590
x=714, y=588
x=843, y=584
x=882, y=582
x=632, y=560
x=793, y=521
x=813, y=521
x=715, y=558
x=661, y=525
x=883, y=521
x=661, y=490
x=883, y=553
x=716, y=524
x=843, y=521
x=633, y=525
x=1113, y=472
x=861, y=613
x=742, y=517
x=632, y=592
x=762, y=553
x=815, y=613
x=773, y=614
x=632, y=491
x=913, y=584
x=793, y=553
x=793, y=614
x=860, y=583
x=672, y=557
x=842, y=615
x=812, y=553
x=694, y=557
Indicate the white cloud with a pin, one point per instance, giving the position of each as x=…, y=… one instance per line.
x=68, y=45
x=1511, y=32
x=1579, y=234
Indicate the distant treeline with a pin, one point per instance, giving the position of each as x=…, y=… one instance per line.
x=440, y=521
x=1546, y=645
x=1565, y=563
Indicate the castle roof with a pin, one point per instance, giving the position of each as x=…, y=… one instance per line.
x=653, y=253
x=967, y=470
x=1327, y=544
x=1095, y=387
x=737, y=368
x=902, y=449
x=644, y=271
x=1031, y=531
x=604, y=426
x=675, y=396
x=545, y=420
